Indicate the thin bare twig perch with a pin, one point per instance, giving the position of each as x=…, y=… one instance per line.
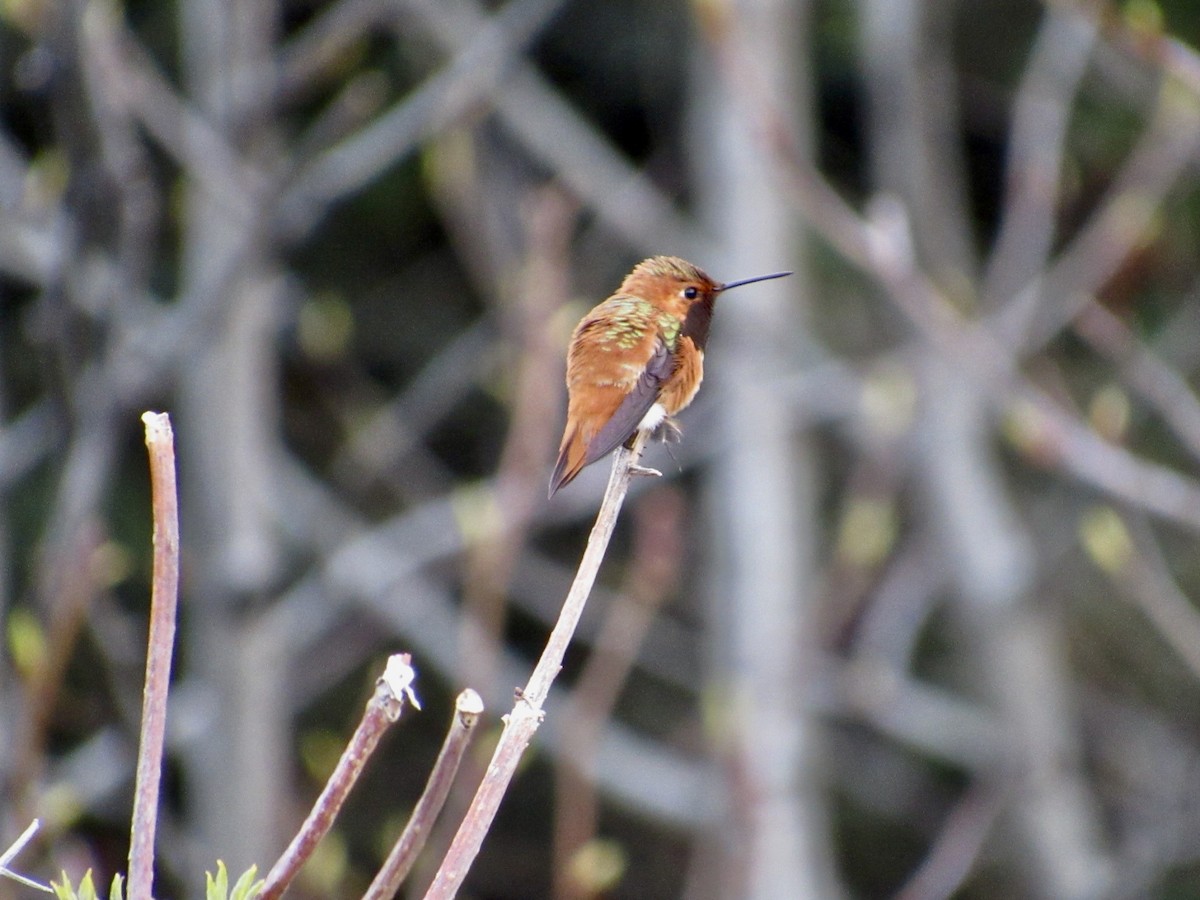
x=467, y=710
x=657, y=558
x=392, y=689
x=521, y=724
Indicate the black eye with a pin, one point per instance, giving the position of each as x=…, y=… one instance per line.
x=690, y=293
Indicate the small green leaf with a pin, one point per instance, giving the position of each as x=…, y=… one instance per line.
x=217, y=888
x=87, y=888
x=63, y=891
x=247, y=887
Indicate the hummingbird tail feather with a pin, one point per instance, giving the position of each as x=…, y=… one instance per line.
x=572, y=457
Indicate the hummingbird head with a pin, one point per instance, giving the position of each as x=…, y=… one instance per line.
x=675, y=282
x=683, y=291
x=670, y=283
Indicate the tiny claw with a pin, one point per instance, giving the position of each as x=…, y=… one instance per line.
x=669, y=431
x=644, y=470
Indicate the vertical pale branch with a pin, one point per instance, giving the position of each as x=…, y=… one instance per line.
x=774, y=838
x=383, y=710
x=164, y=598
x=228, y=393
x=526, y=715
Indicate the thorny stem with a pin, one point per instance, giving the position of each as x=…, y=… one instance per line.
x=164, y=597
x=383, y=710
x=467, y=710
x=526, y=716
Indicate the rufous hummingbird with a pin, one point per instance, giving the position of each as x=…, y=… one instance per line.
x=637, y=359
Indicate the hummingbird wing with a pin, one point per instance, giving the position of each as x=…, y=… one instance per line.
x=616, y=368
x=625, y=420
x=583, y=446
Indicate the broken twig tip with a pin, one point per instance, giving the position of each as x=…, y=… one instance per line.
x=398, y=677
x=469, y=703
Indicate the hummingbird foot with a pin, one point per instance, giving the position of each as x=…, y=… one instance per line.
x=645, y=470
x=669, y=431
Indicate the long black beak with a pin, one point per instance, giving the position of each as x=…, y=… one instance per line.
x=734, y=284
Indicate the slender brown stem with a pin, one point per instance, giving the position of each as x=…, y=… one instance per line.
x=383, y=710
x=526, y=715
x=164, y=597
x=467, y=710
x=658, y=550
